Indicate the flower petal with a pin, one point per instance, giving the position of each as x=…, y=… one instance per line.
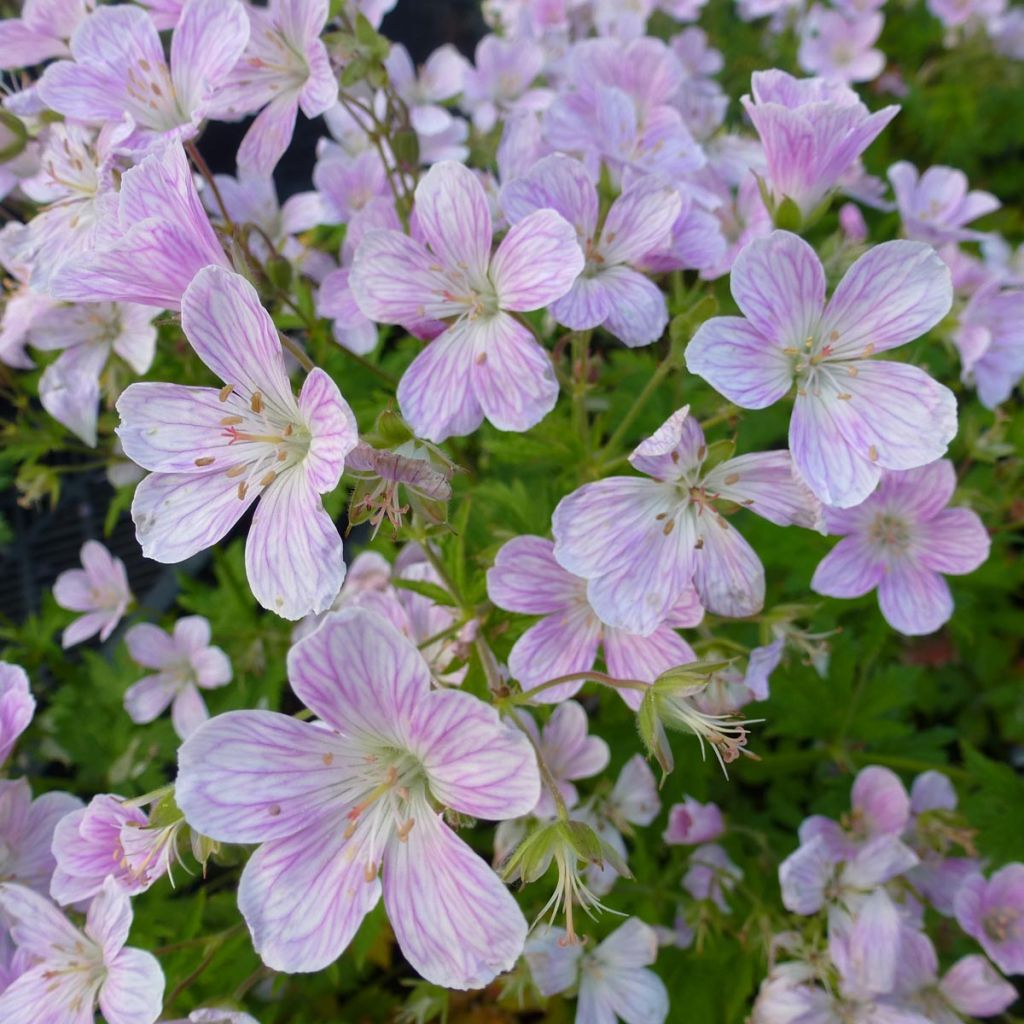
x=914, y=600
x=637, y=312
x=954, y=542
x=133, y=991
x=452, y=212
x=727, y=573
x=850, y=569
x=526, y=578
x=562, y=643
x=767, y=483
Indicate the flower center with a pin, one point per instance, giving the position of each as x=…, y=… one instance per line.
x=890, y=533
x=1003, y=925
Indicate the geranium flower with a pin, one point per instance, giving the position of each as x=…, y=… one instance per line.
x=99, y=588
x=668, y=532
x=609, y=292
x=439, y=80
x=41, y=32
x=526, y=578
x=990, y=337
x=118, y=72
x=212, y=453
x=74, y=972
x=853, y=416
x=936, y=206
x=332, y=802
x=839, y=48
x=992, y=911
x=17, y=706
x=692, y=822
x=500, y=79
x=285, y=66
x=26, y=833
x=487, y=363
x=185, y=661
x=902, y=540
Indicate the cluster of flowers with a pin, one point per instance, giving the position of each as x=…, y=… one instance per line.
x=611, y=168
x=863, y=886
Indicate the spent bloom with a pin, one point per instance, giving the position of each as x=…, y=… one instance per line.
x=99, y=589
x=526, y=578
x=813, y=130
x=285, y=66
x=211, y=453
x=902, y=540
x=486, y=363
x=669, y=532
x=614, y=978
x=118, y=72
x=88, y=847
x=992, y=911
x=17, y=706
x=184, y=661
x=937, y=206
x=609, y=292
x=74, y=972
x=346, y=809
x=853, y=416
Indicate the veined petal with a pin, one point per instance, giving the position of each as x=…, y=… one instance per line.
x=586, y=304
x=728, y=574
x=109, y=918
x=556, y=182
x=269, y=135
x=894, y=293
x=850, y=569
x=738, y=361
x=640, y=220
x=511, y=375
x=206, y=44
x=332, y=428
x=36, y=925
x=133, y=991
x=452, y=212
x=537, y=262
x=914, y=600
x=251, y=776
x=37, y=997
x=675, y=449
x=304, y=896
x=147, y=699
x=562, y=643
x=360, y=674
x=526, y=578
x=767, y=483
x=628, y=656
x=637, y=312
x=188, y=711
x=954, y=542
x=474, y=762
x=455, y=921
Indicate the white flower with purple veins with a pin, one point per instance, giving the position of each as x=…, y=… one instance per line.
x=184, y=662
x=75, y=973
x=212, y=453
x=711, y=875
x=609, y=292
x=99, y=589
x=118, y=72
x=439, y=80
x=487, y=363
x=285, y=67
x=936, y=206
x=525, y=578
x=902, y=540
x=336, y=803
x=640, y=542
x=853, y=416
x=990, y=337
x=17, y=706
x=992, y=911
x=26, y=833
x=500, y=80
x=614, y=979
x=42, y=31
x=839, y=48
x=86, y=334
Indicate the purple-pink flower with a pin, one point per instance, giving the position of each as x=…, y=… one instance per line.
x=641, y=542
x=335, y=804
x=41, y=32
x=26, y=833
x=74, y=972
x=692, y=822
x=118, y=72
x=936, y=206
x=902, y=540
x=17, y=706
x=990, y=337
x=184, y=661
x=609, y=292
x=853, y=416
x=992, y=911
x=99, y=589
x=813, y=130
x=211, y=453
x=840, y=48
x=526, y=578
x=487, y=363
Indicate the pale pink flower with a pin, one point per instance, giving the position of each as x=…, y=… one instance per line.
x=854, y=416
x=23, y=303
x=17, y=706
x=813, y=131
x=212, y=453
x=614, y=978
x=165, y=13
x=347, y=183
x=609, y=292
x=74, y=972
x=285, y=67
x=185, y=661
x=156, y=238
x=487, y=363
x=87, y=334
x=990, y=337
x=26, y=833
x=527, y=579
x=839, y=48
x=41, y=32
x=88, y=847
x=692, y=822
x=100, y=589
x=640, y=542
x=500, y=82
x=711, y=875
x=973, y=988
x=936, y=206
x=992, y=911
x=903, y=540
x=332, y=802
x=439, y=80
x=118, y=72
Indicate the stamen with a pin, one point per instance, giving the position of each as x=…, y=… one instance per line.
x=256, y=402
x=225, y=392
x=243, y=489
x=232, y=421
x=206, y=460
x=268, y=479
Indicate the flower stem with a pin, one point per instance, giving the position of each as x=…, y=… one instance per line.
x=526, y=697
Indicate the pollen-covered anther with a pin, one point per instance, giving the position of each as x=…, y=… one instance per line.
x=231, y=421
x=225, y=392
x=205, y=460
x=404, y=829
x=256, y=402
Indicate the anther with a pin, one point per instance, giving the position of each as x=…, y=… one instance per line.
x=243, y=489
x=236, y=471
x=232, y=421
x=731, y=479
x=256, y=402
x=268, y=479
x=873, y=453
x=668, y=527
x=225, y=392
x=206, y=460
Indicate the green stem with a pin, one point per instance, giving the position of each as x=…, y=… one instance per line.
x=592, y=677
x=663, y=370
